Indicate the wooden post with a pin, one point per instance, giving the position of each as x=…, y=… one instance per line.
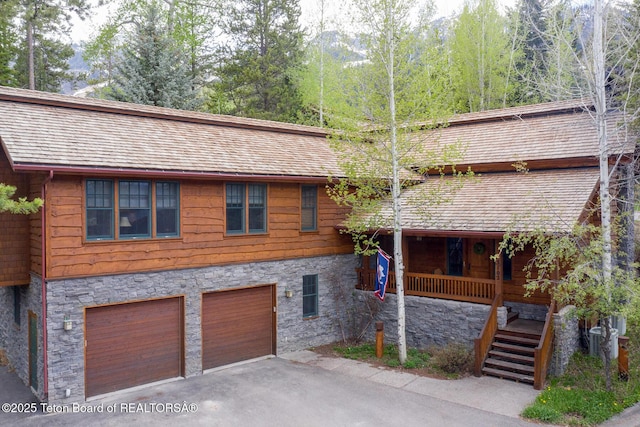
x=623, y=358
x=379, y=339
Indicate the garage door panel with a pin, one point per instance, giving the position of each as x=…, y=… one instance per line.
x=237, y=325
x=133, y=344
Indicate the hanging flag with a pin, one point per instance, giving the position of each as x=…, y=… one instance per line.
x=382, y=274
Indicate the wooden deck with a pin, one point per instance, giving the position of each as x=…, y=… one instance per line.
x=525, y=326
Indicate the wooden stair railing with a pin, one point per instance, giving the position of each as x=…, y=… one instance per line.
x=483, y=343
x=544, y=350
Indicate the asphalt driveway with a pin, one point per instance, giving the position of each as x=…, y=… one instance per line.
x=273, y=392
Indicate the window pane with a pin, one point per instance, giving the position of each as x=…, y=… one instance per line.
x=257, y=208
x=167, y=212
x=454, y=256
x=309, y=208
x=135, y=212
x=235, y=208
x=310, y=295
x=99, y=199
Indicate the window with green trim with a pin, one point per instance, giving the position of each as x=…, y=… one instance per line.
x=167, y=209
x=99, y=196
x=246, y=208
x=309, y=208
x=310, y=295
x=133, y=215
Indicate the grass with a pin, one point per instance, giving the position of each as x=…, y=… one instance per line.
x=432, y=362
x=579, y=397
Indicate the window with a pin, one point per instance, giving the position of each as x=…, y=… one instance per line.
x=99, y=209
x=135, y=209
x=310, y=295
x=167, y=209
x=309, y=208
x=246, y=204
x=506, y=267
x=133, y=214
x=454, y=256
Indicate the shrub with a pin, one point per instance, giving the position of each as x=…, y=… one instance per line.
x=453, y=358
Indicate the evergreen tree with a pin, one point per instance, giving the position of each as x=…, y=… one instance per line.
x=527, y=26
x=152, y=70
x=260, y=65
x=8, y=43
x=42, y=62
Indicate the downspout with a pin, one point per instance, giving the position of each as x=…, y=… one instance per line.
x=45, y=375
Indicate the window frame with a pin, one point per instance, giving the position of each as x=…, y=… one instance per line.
x=249, y=205
x=139, y=198
x=116, y=211
x=313, y=209
x=313, y=295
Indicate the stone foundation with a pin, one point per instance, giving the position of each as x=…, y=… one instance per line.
x=70, y=298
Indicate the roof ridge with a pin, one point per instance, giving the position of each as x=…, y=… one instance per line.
x=141, y=110
x=545, y=108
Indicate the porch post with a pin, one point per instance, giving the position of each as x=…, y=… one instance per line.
x=498, y=273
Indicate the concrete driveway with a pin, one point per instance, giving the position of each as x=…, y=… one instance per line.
x=297, y=391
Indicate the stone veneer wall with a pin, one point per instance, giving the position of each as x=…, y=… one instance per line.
x=430, y=321
x=566, y=339
x=70, y=297
x=14, y=338
x=529, y=311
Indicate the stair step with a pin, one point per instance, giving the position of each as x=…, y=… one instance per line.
x=517, y=333
x=517, y=339
x=529, y=351
x=511, y=316
x=512, y=356
x=508, y=375
x=508, y=366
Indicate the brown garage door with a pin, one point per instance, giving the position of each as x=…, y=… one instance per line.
x=132, y=344
x=237, y=325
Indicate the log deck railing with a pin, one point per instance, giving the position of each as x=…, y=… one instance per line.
x=544, y=350
x=468, y=289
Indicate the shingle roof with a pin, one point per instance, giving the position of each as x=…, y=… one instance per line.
x=541, y=132
x=497, y=202
x=56, y=131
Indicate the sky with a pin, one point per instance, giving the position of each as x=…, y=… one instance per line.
x=82, y=30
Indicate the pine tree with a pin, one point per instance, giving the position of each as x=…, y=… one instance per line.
x=260, y=66
x=8, y=43
x=152, y=70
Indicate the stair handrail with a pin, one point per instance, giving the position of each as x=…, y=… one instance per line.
x=482, y=344
x=543, y=352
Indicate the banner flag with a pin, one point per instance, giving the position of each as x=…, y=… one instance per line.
x=382, y=274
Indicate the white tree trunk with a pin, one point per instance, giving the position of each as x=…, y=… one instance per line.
x=396, y=191
x=605, y=197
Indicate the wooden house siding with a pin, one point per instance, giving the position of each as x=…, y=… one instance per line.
x=14, y=245
x=202, y=241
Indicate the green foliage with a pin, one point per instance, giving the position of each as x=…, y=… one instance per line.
x=569, y=267
x=579, y=396
x=451, y=361
x=152, y=70
x=21, y=206
x=480, y=66
x=8, y=43
x=260, y=65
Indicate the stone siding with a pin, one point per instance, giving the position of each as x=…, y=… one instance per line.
x=566, y=339
x=430, y=321
x=70, y=297
x=14, y=338
x=529, y=311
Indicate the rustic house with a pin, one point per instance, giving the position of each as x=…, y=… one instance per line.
x=536, y=167
x=174, y=242
x=170, y=242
